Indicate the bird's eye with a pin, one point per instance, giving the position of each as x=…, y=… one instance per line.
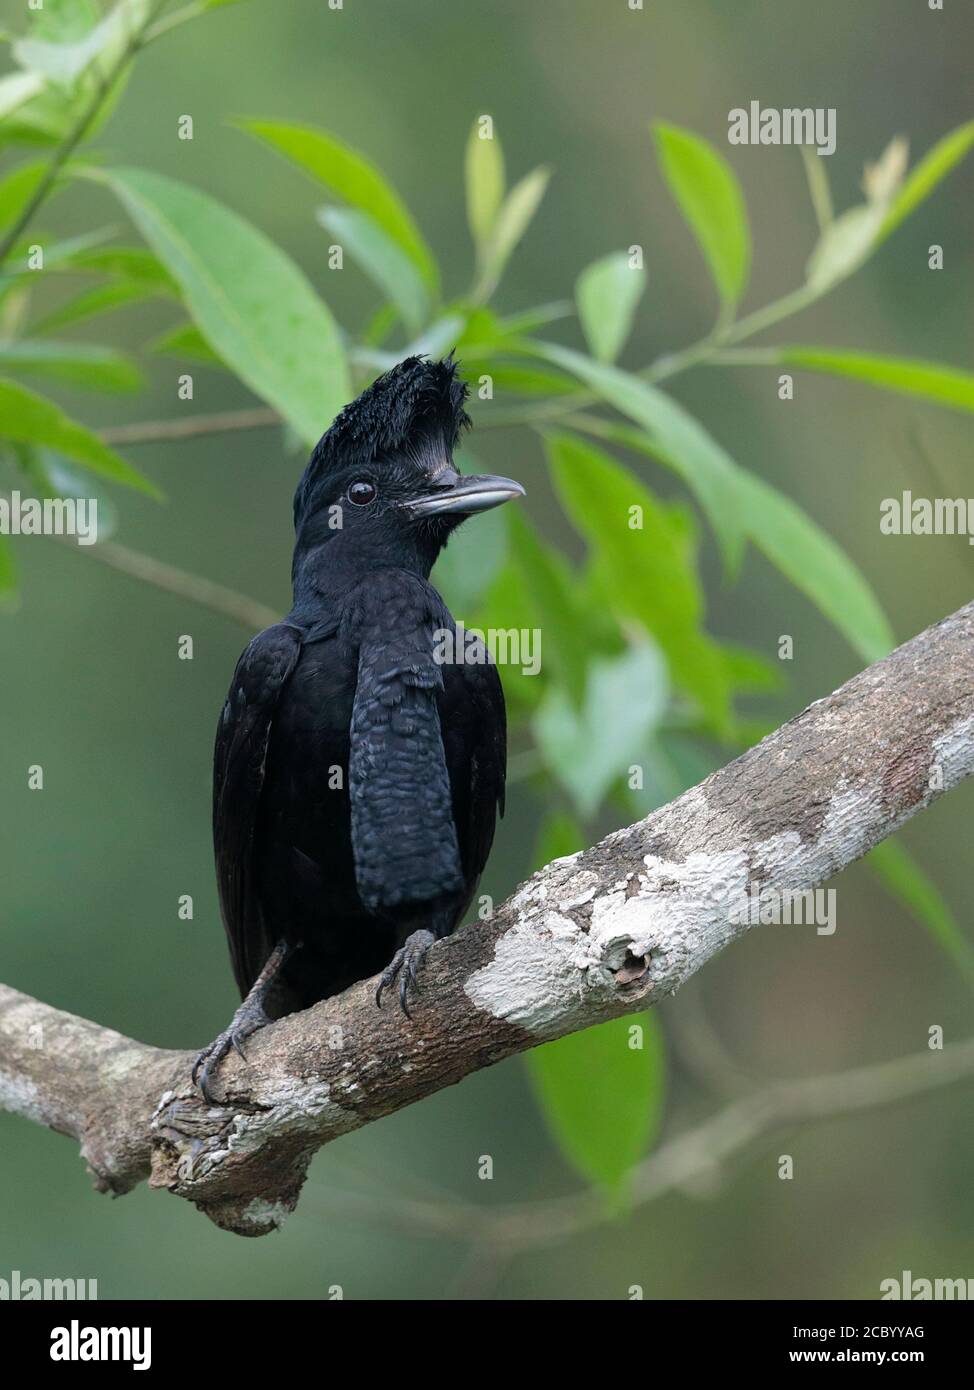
x=361, y=494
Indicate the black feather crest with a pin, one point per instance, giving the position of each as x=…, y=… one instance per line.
x=414, y=398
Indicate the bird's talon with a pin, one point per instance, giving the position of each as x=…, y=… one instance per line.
x=405, y=965
x=247, y=1021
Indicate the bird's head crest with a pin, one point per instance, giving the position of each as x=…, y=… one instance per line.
x=416, y=401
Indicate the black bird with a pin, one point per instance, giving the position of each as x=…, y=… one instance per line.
x=357, y=774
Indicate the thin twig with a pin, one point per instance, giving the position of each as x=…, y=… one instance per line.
x=249, y=612
x=162, y=431
x=818, y=187
x=229, y=603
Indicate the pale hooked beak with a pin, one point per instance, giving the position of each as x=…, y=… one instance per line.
x=462, y=494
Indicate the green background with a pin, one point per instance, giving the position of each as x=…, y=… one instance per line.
x=91, y=686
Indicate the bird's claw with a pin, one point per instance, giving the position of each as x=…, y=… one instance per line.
x=405, y=965
x=242, y=1027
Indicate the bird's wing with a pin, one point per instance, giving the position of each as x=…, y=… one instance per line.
x=404, y=840
x=238, y=777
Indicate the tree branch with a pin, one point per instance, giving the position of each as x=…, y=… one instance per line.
x=248, y=612
x=192, y=426
x=602, y=933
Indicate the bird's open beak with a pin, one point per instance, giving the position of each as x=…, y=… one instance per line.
x=461, y=494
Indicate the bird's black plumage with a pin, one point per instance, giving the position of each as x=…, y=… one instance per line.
x=357, y=777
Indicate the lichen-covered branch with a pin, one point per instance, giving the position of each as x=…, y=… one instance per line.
x=607, y=931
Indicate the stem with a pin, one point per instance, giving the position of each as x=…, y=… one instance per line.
x=747, y=357
x=220, y=422
x=818, y=187
x=709, y=347
x=535, y=413
x=74, y=137
x=676, y=362
x=772, y=313
x=239, y=608
x=173, y=21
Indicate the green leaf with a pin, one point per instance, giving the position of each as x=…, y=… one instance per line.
x=31, y=419
x=587, y=750
x=91, y=303
x=547, y=578
x=512, y=221
x=439, y=338
x=650, y=571
x=130, y=262
x=379, y=326
x=850, y=239
x=58, y=255
x=751, y=672
x=676, y=437
x=523, y=381
x=507, y=604
x=85, y=364
x=63, y=21
x=187, y=342
x=250, y=301
x=799, y=548
x=710, y=198
x=607, y=293
x=844, y=245
x=383, y=260
x=14, y=306
x=931, y=380
x=475, y=555
x=530, y=320
x=904, y=878
x=602, y=1097
x=140, y=276
x=8, y=574
x=434, y=341
x=935, y=165
x=353, y=178
x=65, y=61
x=883, y=179
x=813, y=562
x=485, y=183
x=73, y=41
x=53, y=477
x=17, y=189
x=17, y=88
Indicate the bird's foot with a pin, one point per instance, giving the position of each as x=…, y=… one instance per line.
x=406, y=964
x=248, y=1019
